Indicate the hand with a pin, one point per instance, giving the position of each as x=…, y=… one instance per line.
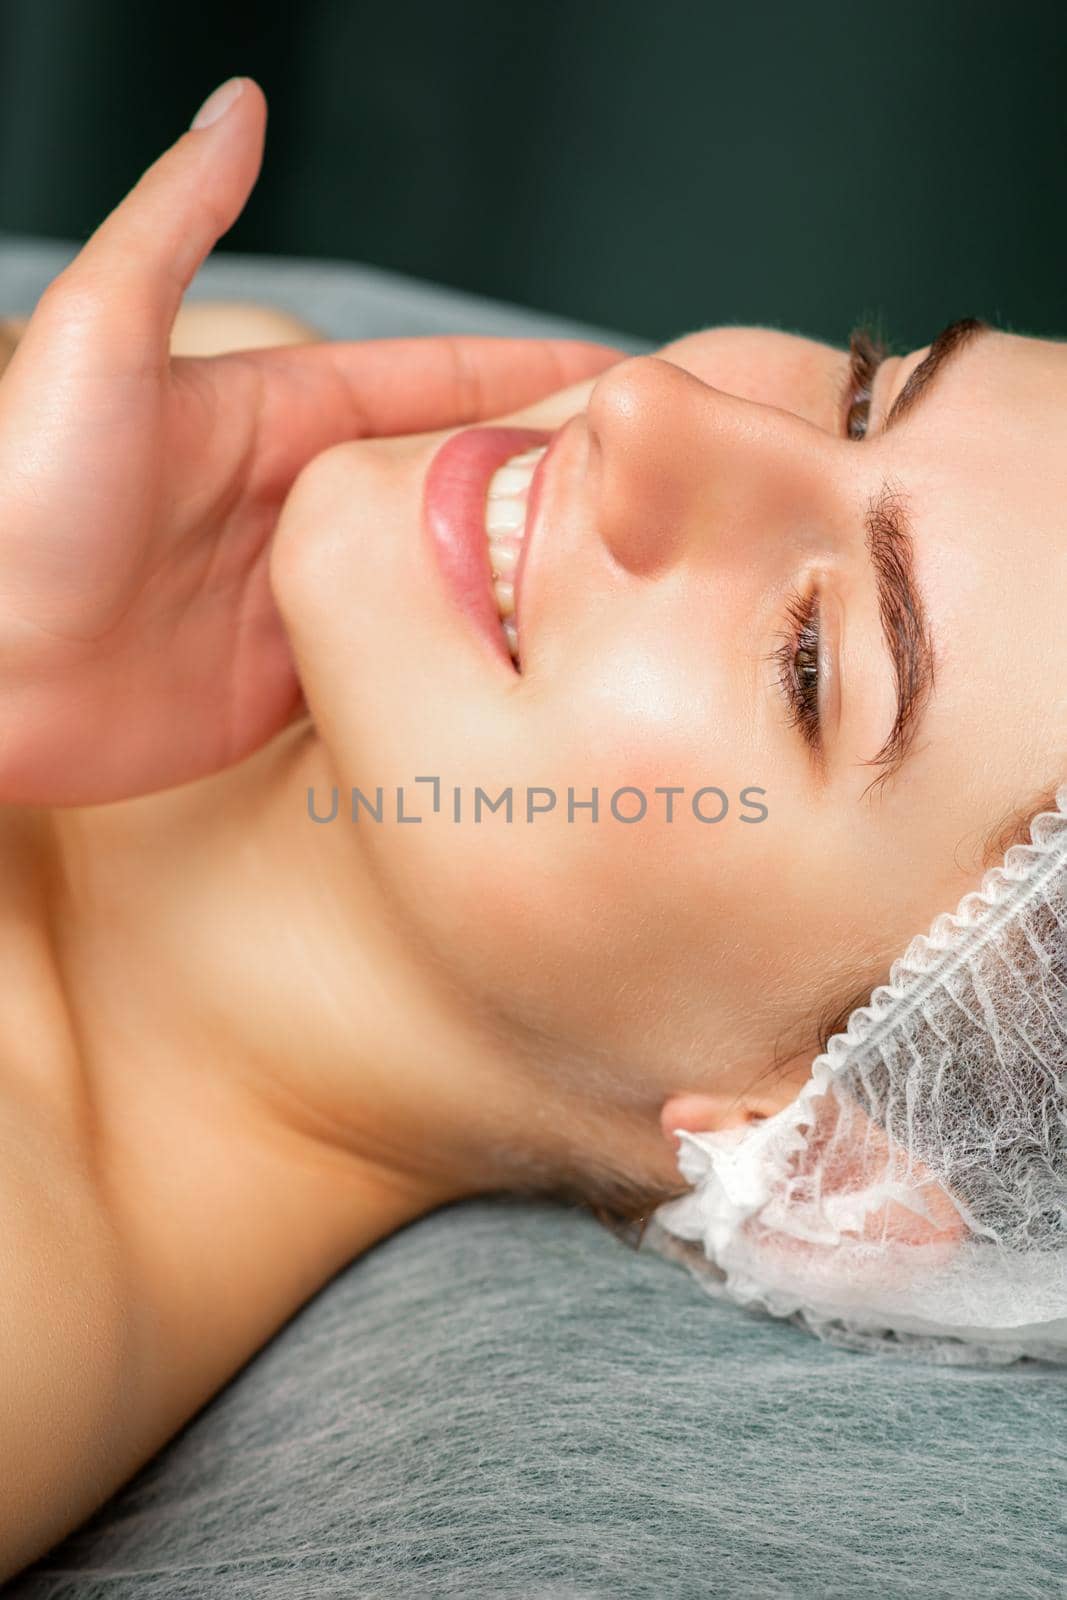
x=139, y=642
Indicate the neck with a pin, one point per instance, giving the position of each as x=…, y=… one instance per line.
x=269, y=1079
x=224, y=958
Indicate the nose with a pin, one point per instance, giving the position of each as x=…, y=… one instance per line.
x=679, y=468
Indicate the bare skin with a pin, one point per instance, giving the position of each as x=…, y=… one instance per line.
x=205, y=328
x=238, y=1049
x=217, y=1061
x=142, y=468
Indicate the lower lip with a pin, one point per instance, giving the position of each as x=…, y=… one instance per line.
x=457, y=487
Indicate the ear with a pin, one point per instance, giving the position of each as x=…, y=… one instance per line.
x=711, y=1111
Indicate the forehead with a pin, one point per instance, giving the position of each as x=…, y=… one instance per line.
x=981, y=464
x=1021, y=379
x=984, y=445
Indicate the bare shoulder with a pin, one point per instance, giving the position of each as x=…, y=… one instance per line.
x=66, y=1333
x=39, y=1061
x=159, y=1221
x=206, y=328
x=212, y=327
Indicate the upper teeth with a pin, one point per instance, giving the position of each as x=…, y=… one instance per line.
x=505, y=526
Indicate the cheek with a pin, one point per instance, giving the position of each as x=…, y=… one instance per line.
x=648, y=704
x=570, y=925
x=592, y=929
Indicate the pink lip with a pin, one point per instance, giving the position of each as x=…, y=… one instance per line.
x=457, y=485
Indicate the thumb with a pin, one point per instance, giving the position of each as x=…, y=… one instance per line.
x=138, y=264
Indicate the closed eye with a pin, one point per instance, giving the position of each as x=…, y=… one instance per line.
x=866, y=352
x=798, y=670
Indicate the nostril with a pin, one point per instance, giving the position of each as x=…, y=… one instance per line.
x=644, y=417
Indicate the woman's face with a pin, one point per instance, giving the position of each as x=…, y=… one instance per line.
x=720, y=590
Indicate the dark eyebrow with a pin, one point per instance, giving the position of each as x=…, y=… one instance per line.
x=949, y=342
x=889, y=546
x=904, y=625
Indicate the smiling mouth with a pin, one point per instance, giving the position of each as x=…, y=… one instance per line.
x=505, y=528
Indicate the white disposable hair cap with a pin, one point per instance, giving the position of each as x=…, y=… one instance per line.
x=914, y=1195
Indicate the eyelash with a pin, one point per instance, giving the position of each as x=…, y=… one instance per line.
x=866, y=352
x=799, y=677
x=800, y=683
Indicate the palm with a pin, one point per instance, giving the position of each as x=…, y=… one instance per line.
x=235, y=431
x=236, y=434
x=138, y=593
x=139, y=642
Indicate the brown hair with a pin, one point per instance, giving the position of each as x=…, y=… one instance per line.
x=619, y=1200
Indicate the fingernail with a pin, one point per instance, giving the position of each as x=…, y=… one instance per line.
x=218, y=102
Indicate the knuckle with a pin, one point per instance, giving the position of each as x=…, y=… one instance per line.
x=77, y=297
x=466, y=380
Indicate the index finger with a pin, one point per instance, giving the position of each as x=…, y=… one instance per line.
x=445, y=380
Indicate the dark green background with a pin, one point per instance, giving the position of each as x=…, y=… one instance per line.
x=648, y=166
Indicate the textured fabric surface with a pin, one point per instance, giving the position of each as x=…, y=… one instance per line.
x=342, y=300
x=506, y=1401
